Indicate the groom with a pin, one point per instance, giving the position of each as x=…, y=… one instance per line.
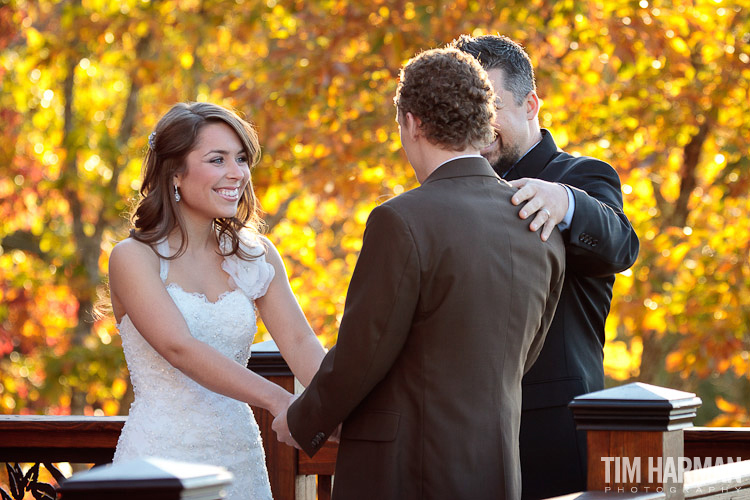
x=447, y=308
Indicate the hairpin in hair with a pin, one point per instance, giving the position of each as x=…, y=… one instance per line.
x=151, y=142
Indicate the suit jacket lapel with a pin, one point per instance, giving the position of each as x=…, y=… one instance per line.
x=535, y=160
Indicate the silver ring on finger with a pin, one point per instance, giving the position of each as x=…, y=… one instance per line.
x=549, y=215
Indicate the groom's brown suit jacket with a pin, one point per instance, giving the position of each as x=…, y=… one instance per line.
x=447, y=308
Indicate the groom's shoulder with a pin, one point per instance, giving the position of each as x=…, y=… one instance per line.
x=408, y=199
x=409, y=204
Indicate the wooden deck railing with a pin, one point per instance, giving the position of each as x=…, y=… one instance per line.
x=619, y=425
x=641, y=440
x=92, y=440
x=717, y=442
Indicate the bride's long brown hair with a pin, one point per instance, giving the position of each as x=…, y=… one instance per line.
x=156, y=215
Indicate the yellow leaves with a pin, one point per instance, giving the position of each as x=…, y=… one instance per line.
x=620, y=362
x=679, y=45
x=88, y=229
x=64, y=400
x=328, y=212
x=654, y=320
x=711, y=52
x=34, y=39
x=558, y=45
x=223, y=39
x=281, y=24
x=313, y=117
x=119, y=386
x=271, y=198
x=373, y=174
x=186, y=60
x=351, y=244
x=40, y=120
x=6, y=187
x=561, y=137
x=591, y=77
x=30, y=330
x=362, y=213
x=382, y=135
x=8, y=403
x=328, y=138
x=103, y=334
x=320, y=151
x=110, y=407
x=676, y=255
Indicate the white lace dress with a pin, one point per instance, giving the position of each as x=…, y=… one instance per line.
x=176, y=418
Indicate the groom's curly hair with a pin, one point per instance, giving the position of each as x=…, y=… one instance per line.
x=451, y=95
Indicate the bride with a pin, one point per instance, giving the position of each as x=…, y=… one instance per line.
x=185, y=287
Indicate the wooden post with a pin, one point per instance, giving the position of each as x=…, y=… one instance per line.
x=281, y=460
x=635, y=437
x=148, y=479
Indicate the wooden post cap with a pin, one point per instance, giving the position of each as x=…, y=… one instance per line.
x=266, y=360
x=637, y=407
x=146, y=479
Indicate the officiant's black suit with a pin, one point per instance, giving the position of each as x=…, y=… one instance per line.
x=599, y=243
x=447, y=307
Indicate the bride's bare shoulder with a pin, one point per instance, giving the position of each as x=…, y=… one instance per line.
x=131, y=265
x=133, y=254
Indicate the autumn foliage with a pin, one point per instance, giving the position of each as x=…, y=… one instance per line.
x=659, y=89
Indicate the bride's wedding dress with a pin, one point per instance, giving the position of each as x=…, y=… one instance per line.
x=173, y=416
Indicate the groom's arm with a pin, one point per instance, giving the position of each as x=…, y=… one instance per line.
x=380, y=305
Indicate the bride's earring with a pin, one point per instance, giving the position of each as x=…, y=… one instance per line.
x=177, y=196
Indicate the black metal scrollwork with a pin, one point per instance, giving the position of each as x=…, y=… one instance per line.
x=21, y=483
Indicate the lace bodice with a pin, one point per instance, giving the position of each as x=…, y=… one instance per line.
x=173, y=416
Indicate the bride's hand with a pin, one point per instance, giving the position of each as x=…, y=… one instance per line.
x=281, y=402
x=281, y=428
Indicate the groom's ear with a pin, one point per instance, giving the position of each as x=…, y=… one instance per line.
x=413, y=126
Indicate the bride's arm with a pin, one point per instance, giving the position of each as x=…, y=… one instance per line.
x=287, y=324
x=137, y=290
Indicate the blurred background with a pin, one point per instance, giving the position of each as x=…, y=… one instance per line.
x=659, y=89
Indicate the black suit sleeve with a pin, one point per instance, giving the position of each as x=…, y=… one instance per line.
x=380, y=305
x=600, y=241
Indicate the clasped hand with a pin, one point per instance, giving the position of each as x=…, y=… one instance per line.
x=547, y=203
x=280, y=426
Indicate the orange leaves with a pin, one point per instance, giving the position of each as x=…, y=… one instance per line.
x=674, y=361
x=733, y=415
x=628, y=83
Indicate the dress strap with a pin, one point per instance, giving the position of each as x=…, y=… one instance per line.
x=163, y=249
